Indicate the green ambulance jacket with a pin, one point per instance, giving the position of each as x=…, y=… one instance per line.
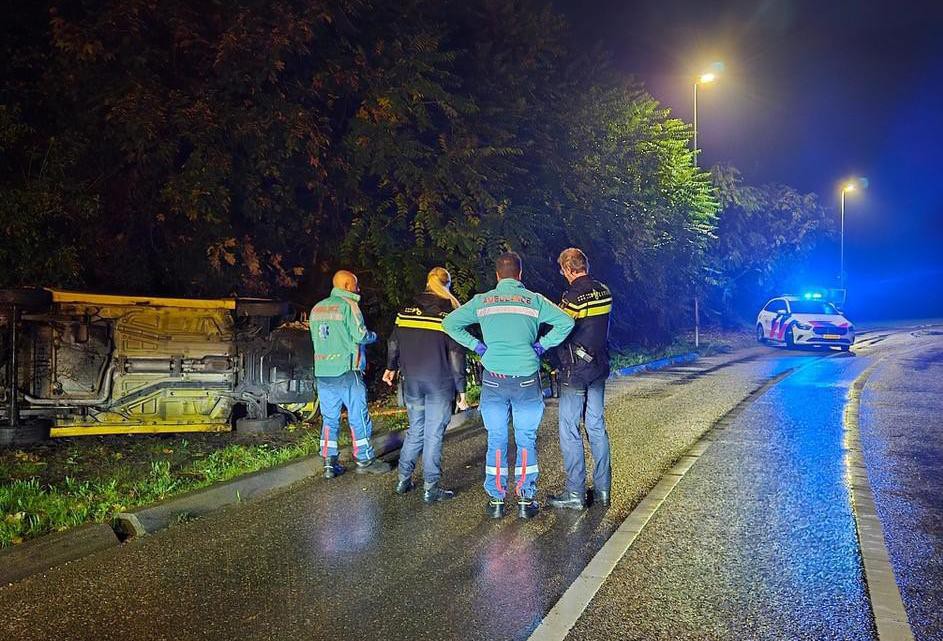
x=510, y=316
x=339, y=334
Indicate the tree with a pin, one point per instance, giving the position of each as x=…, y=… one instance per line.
x=762, y=233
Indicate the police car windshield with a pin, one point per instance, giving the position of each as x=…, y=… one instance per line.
x=812, y=307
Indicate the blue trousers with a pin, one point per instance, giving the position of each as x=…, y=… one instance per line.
x=504, y=398
x=347, y=390
x=429, y=407
x=575, y=400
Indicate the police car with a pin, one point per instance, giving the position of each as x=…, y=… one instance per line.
x=807, y=320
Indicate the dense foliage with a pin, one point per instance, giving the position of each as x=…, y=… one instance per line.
x=252, y=147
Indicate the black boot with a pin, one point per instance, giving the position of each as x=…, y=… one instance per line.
x=527, y=508
x=436, y=494
x=404, y=485
x=373, y=466
x=332, y=468
x=601, y=497
x=495, y=508
x=568, y=500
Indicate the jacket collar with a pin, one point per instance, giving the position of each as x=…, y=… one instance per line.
x=585, y=278
x=343, y=293
x=510, y=283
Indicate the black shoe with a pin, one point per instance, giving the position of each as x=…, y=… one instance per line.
x=332, y=468
x=436, y=494
x=373, y=466
x=495, y=508
x=568, y=500
x=601, y=497
x=404, y=485
x=527, y=508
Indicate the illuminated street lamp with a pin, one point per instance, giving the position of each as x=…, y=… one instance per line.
x=848, y=186
x=703, y=79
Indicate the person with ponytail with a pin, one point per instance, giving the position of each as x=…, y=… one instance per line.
x=432, y=367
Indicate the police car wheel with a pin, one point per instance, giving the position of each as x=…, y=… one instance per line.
x=760, y=335
x=790, y=339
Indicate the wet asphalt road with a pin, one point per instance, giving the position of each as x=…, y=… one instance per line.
x=757, y=540
x=902, y=439
x=348, y=559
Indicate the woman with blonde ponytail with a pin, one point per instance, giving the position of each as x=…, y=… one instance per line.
x=432, y=367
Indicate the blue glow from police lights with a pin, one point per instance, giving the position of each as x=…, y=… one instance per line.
x=812, y=295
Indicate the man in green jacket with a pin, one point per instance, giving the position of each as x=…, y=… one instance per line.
x=340, y=337
x=510, y=316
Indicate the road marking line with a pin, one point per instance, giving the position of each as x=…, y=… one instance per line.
x=887, y=605
x=567, y=611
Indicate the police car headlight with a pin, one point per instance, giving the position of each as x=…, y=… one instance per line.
x=803, y=326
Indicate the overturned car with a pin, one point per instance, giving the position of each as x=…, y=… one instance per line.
x=81, y=364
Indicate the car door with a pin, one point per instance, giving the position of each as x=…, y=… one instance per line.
x=768, y=316
x=777, y=312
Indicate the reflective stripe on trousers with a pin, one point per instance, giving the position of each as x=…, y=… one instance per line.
x=505, y=399
x=334, y=394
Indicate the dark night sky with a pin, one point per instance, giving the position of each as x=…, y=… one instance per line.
x=812, y=92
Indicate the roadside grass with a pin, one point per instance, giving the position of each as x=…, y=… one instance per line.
x=61, y=484
x=712, y=342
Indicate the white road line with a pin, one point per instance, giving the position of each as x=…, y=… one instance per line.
x=890, y=617
x=567, y=611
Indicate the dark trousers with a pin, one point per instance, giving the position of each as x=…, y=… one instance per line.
x=575, y=402
x=429, y=407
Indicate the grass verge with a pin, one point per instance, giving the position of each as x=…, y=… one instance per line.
x=64, y=483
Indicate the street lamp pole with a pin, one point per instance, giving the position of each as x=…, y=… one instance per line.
x=706, y=77
x=841, y=255
x=841, y=259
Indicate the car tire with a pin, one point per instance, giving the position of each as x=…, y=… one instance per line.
x=26, y=433
x=29, y=298
x=760, y=336
x=273, y=423
x=790, y=339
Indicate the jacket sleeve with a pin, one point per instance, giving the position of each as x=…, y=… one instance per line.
x=560, y=323
x=457, y=322
x=392, y=350
x=569, y=307
x=359, y=333
x=457, y=365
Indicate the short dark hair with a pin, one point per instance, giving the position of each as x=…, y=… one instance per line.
x=508, y=265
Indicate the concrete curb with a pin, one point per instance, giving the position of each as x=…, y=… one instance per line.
x=151, y=518
x=656, y=364
x=38, y=555
x=887, y=605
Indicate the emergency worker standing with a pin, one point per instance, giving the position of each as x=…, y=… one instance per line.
x=509, y=316
x=583, y=361
x=433, y=370
x=340, y=337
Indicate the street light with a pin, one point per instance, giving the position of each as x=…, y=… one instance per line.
x=703, y=79
x=849, y=186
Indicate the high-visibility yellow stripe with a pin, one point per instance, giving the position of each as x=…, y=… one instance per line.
x=419, y=324
x=571, y=312
x=431, y=319
x=599, y=301
x=596, y=311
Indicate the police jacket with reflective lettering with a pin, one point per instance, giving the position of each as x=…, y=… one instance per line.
x=420, y=348
x=583, y=357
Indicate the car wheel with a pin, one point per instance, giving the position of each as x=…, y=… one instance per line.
x=760, y=335
x=267, y=425
x=790, y=339
x=31, y=298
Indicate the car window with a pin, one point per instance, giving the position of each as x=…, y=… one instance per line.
x=775, y=306
x=813, y=307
